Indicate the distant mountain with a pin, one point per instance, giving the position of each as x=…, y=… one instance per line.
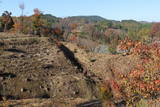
x=51, y=16
x=85, y=19
x=50, y=19
x=53, y=21
x=130, y=21
x=144, y=22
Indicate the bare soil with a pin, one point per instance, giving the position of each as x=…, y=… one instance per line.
x=35, y=72
x=32, y=67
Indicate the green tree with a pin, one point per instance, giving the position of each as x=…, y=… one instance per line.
x=143, y=34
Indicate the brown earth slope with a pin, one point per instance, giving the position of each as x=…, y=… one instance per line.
x=34, y=72
x=32, y=67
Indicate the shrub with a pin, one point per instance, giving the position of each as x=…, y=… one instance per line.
x=6, y=21
x=144, y=80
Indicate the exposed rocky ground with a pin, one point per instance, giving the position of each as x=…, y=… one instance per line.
x=35, y=72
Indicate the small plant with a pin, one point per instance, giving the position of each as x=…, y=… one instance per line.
x=106, y=92
x=142, y=103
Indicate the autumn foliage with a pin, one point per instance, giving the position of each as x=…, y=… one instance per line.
x=144, y=80
x=73, y=26
x=155, y=30
x=17, y=27
x=36, y=21
x=7, y=21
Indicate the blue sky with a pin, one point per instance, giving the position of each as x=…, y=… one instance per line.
x=142, y=10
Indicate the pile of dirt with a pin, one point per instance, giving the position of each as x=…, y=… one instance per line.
x=32, y=67
x=34, y=71
x=103, y=65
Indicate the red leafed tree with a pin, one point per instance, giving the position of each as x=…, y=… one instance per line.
x=37, y=21
x=37, y=12
x=155, y=30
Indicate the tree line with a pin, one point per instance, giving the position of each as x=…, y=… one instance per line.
x=94, y=28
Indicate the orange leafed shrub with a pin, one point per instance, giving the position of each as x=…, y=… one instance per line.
x=73, y=26
x=17, y=27
x=144, y=80
x=155, y=30
x=128, y=44
x=57, y=31
x=73, y=38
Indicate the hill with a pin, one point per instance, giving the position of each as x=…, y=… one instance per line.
x=63, y=74
x=86, y=19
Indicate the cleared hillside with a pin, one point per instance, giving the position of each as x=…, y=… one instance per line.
x=37, y=71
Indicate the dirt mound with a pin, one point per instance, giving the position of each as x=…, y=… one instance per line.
x=103, y=64
x=34, y=71
x=32, y=67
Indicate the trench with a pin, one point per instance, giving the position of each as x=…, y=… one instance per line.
x=71, y=57
x=90, y=78
x=74, y=61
